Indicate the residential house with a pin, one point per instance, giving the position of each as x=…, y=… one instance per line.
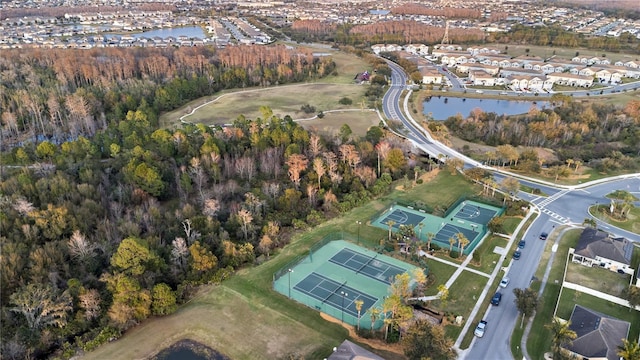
x=587, y=71
x=528, y=83
x=632, y=64
x=597, y=248
x=465, y=68
x=417, y=49
x=608, y=76
x=520, y=71
x=430, y=75
x=480, y=77
x=571, y=79
x=348, y=350
x=598, y=335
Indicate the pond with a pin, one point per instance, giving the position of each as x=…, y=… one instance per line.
x=442, y=107
x=188, y=31
x=189, y=350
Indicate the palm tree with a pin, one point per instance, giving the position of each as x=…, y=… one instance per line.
x=358, y=304
x=420, y=226
x=629, y=350
x=462, y=241
x=390, y=223
x=374, y=312
x=562, y=335
x=451, y=242
x=430, y=237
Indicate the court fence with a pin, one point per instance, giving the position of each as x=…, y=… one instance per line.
x=337, y=235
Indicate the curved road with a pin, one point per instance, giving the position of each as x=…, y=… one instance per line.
x=562, y=206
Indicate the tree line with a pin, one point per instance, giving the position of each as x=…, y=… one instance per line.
x=603, y=136
x=61, y=94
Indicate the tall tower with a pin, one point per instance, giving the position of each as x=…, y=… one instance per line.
x=445, y=38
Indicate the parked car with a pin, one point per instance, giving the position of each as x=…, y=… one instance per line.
x=517, y=254
x=495, y=300
x=479, y=331
x=544, y=236
x=521, y=244
x=504, y=282
x=479, y=91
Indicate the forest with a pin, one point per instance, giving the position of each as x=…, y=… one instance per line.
x=119, y=219
x=605, y=137
x=63, y=94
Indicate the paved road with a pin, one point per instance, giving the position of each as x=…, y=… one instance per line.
x=561, y=205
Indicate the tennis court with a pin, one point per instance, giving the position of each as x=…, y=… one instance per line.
x=479, y=215
x=401, y=217
x=335, y=274
x=367, y=265
x=335, y=294
x=467, y=217
x=449, y=231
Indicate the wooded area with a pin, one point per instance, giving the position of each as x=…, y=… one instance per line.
x=62, y=94
x=601, y=136
x=99, y=233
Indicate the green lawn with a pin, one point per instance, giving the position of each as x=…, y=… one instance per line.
x=484, y=258
x=440, y=273
x=631, y=224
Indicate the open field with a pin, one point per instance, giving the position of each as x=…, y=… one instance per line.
x=324, y=94
x=283, y=100
x=561, y=52
x=245, y=319
x=359, y=122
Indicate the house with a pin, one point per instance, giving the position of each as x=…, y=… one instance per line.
x=348, y=350
x=417, y=49
x=480, y=77
x=465, y=68
x=430, y=76
x=597, y=248
x=598, y=335
x=571, y=79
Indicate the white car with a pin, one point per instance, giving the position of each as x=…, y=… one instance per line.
x=479, y=331
x=504, y=282
x=479, y=91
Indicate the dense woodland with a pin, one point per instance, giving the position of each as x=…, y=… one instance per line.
x=62, y=94
x=603, y=137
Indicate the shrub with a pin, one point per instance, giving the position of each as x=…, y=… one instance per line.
x=454, y=254
x=345, y=101
x=308, y=109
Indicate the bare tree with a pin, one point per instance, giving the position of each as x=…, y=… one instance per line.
x=90, y=302
x=318, y=167
x=179, y=253
x=79, y=247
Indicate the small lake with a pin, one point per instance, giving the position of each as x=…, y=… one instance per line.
x=442, y=107
x=189, y=350
x=379, y=12
x=188, y=31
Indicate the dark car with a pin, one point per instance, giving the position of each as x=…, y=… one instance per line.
x=495, y=300
x=516, y=254
x=544, y=236
x=521, y=244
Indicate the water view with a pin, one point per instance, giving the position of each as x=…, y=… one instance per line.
x=188, y=31
x=442, y=107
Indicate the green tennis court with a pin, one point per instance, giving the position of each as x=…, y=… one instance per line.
x=336, y=277
x=466, y=217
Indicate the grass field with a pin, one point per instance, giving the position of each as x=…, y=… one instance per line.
x=631, y=224
x=245, y=319
x=323, y=94
x=359, y=122
x=561, y=52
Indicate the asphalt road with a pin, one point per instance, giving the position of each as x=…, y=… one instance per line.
x=559, y=206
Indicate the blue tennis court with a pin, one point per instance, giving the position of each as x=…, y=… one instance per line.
x=477, y=214
x=400, y=217
x=337, y=295
x=449, y=231
x=367, y=265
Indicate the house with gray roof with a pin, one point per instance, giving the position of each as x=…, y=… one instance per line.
x=598, y=335
x=350, y=351
x=597, y=248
